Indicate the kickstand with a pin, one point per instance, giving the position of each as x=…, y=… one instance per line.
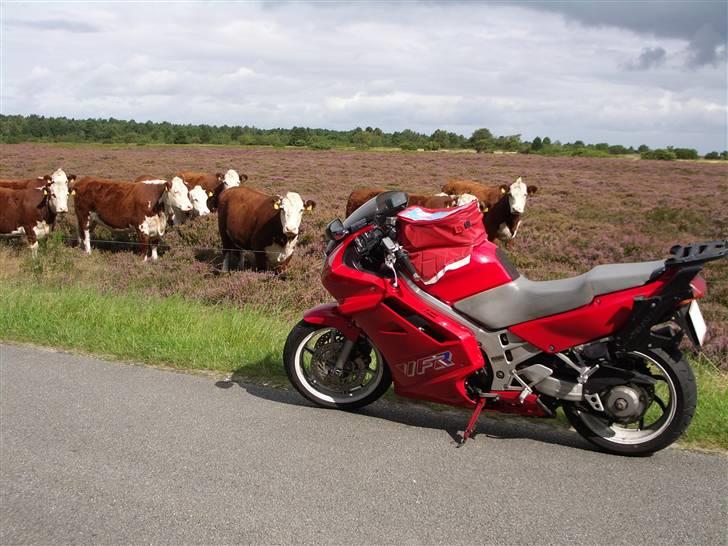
x=473, y=421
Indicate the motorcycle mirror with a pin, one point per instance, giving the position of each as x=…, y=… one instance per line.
x=335, y=231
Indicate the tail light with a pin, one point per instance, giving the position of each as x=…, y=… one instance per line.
x=699, y=287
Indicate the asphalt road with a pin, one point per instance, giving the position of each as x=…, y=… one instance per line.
x=99, y=452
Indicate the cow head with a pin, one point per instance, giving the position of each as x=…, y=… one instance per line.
x=178, y=194
x=517, y=195
x=198, y=197
x=57, y=188
x=466, y=198
x=231, y=179
x=291, y=208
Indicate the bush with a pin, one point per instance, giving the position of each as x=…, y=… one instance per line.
x=685, y=153
x=408, y=146
x=319, y=145
x=712, y=155
x=660, y=153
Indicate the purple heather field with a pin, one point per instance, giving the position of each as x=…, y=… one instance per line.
x=587, y=211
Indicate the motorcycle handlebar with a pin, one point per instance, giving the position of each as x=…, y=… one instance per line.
x=404, y=259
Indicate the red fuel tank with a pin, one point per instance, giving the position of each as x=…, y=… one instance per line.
x=486, y=270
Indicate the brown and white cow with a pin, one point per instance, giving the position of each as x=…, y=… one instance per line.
x=177, y=201
x=267, y=225
x=212, y=184
x=26, y=212
x=438, y=201
x=59, y=187
x=502, y=206
x=121, y=206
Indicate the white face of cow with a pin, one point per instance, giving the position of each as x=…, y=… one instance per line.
x=179, y=195
x=58, y=191
x=231, y=179
x=517, y=196
x=198, y=198
x=464, y=199
x=291, y=209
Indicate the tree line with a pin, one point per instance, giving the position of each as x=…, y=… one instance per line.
x=34, y=128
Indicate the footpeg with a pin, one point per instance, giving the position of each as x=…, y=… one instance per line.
x=473, y=421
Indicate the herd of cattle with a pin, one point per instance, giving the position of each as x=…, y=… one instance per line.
x=249, y=220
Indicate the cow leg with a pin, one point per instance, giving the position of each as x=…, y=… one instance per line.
x=83, y=228
x=144, y=244
x=225, y=261
x=261, y=261
x=32, y=241
x=154, y=250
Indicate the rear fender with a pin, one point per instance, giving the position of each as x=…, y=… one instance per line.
x=328, y=315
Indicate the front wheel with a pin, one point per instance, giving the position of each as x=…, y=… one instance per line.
x=640, y=419
x=310, y=358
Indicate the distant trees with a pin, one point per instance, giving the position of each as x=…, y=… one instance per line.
x=15, y=129
x=660, y=153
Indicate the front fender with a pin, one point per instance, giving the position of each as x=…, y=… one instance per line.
x=328, y=315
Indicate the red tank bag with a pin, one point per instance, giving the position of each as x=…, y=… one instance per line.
x=440, y=240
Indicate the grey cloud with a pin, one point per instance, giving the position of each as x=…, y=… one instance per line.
x=55, y=24
x=704, y=24
x=649, y=58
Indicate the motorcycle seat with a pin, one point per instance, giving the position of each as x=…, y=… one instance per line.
x=522, y=300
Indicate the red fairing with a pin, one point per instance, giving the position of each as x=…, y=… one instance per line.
x=328, y=315
x=428, y=354
x=483, y=272
x=604, y=316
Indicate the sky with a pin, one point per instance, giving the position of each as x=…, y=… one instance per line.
x=626, y=73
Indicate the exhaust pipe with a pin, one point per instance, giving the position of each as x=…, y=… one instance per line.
x=538, y=377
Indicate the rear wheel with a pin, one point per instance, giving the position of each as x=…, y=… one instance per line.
x=640, y=419
x=310, y=358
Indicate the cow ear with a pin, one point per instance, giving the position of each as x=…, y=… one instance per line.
x=243, y=177
x=220, y=177
x=71, y=177
x=482, y=206
x=277, y=202
x=310, y=205
x=532, y=189
x=504, y=189
x=167, y=185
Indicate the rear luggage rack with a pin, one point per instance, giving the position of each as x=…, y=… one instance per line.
x=697, y=252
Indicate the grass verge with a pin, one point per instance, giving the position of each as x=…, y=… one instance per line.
x=169, y=331
x=185, y=334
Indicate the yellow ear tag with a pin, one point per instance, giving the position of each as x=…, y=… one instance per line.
x=276, y=205
x=73, y=192
x=486, y=209
x=309, y=207
x=45, y=192
x=503, y=190
x=210, y=194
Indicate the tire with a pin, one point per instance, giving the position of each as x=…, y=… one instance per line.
x=677, y=414
x=300, y=374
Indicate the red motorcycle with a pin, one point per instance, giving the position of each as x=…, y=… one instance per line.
x=426, y=303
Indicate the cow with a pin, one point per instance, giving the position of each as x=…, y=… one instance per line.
x=26, y=212
x=58, y=185
x=121, y=206
x=502, y=205
x=267, y=225
x=213, y=184
x=438, y=201
x=177, y=201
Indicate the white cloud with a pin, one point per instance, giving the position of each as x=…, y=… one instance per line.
x=396, y=66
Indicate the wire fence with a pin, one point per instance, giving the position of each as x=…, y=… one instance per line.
x=161, y=244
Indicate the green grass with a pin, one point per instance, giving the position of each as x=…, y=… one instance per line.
x=185, y=334
x=169, y=331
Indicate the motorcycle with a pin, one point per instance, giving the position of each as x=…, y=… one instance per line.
x=604, y=346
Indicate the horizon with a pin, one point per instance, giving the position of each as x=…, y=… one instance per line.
x=590, y=71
